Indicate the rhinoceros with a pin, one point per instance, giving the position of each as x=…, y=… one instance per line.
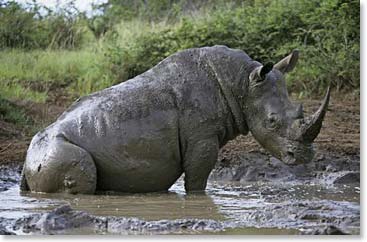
x=143, y=134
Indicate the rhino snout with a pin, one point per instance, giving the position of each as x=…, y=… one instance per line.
x=301, y=154
x=289, y=158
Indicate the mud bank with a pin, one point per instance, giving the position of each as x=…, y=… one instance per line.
x=65, y=220
x=326, y=168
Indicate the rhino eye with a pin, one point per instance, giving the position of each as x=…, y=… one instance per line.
x=272, y=122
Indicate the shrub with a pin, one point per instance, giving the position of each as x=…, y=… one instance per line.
x=326, y=32
x=36, y=27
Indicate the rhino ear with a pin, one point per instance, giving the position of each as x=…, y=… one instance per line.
x=288, y=63
x=259, y=73
x=266, y=69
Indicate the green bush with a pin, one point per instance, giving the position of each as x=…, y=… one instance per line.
x=36, y=27
x=326, y=32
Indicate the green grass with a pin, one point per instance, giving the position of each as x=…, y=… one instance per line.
x=80, y=70
x=9, y=112
x=46, y=66
x=15, y=91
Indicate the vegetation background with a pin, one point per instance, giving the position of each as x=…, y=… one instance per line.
x=50, y=56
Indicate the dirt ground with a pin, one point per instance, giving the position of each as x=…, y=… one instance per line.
x=340, y=133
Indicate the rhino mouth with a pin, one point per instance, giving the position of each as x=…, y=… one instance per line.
x=291, y=160
x=298, y=153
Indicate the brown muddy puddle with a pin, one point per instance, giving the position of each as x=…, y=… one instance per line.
x=251, y=208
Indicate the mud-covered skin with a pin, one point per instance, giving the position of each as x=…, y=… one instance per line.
x=141, y=135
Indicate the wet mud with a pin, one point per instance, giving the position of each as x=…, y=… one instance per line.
x=258, y=195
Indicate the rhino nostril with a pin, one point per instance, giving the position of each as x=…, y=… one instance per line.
x=290, y=153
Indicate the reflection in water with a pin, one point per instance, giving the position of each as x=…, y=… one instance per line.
x=269, y=207
x=151, y=206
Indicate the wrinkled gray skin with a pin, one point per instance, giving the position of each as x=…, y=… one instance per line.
x=141, y=135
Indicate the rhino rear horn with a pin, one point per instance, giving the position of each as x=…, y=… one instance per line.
x=313, y=124
x=288, y=63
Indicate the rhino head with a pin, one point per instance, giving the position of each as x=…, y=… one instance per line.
x=276, y=123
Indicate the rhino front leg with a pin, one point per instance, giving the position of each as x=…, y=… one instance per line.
x=200, y=159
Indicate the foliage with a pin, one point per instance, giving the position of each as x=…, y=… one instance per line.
x=40, y=27
x=12, y=90
x=33, y=74
x=327, y=33
x=11, y=113
x=44, y=48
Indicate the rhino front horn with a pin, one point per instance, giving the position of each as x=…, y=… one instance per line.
x=313, y=124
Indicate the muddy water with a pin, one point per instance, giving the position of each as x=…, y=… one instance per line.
x=239, y=208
